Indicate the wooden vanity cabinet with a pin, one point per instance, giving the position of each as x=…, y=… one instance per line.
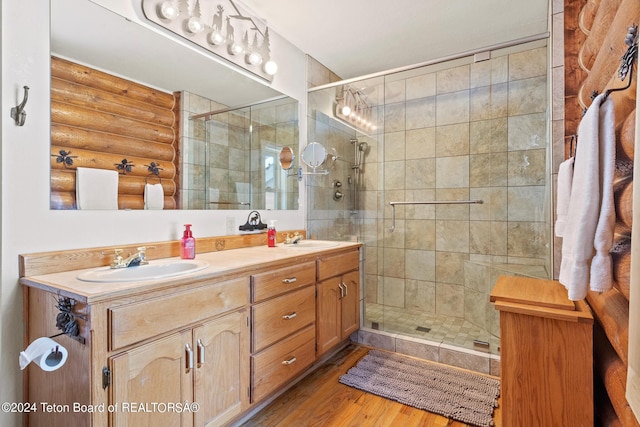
x=146, y=352
x=338, y=311
x=225, y=343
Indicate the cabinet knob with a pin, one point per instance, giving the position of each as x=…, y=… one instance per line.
x=289, y=280
x=290, y=361
x=290, y=316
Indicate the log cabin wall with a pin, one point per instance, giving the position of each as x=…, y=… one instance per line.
x=594, y=43
x=102, y=121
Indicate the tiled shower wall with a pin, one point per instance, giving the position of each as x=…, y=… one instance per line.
x=458, y=131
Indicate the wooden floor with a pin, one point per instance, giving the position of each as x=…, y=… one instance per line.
x=320, y=400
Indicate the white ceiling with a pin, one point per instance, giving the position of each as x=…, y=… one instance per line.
x=359, y=37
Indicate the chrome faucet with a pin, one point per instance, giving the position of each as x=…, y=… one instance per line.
x=139, y=258
x=290, y=240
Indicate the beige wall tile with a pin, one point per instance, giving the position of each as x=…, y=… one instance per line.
x=419, y=264
x=421, y=143
x=452, y=140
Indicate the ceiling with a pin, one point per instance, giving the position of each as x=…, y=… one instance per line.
x=359, y=37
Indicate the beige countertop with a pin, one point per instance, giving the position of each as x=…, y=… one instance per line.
x=222, y=264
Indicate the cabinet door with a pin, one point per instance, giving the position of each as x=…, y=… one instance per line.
x=328, y=320
x=222, y=368
x=350, y=319
x=149, y=376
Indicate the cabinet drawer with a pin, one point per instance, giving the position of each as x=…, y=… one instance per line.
x=135, y=322
x=337, y=264
x=279, y=363
x=276, y=282
x=281, y=316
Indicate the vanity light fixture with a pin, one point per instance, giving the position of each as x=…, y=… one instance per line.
x=354, y=108
x=223, y=27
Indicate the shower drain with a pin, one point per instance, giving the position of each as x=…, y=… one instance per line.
x=422, y=329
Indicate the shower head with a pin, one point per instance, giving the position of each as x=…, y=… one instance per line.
x=363, y=146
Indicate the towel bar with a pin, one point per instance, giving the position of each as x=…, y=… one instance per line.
x=430, y=202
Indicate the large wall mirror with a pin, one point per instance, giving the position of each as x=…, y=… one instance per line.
x=225, y=130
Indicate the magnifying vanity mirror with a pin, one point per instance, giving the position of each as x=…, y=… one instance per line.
x=286, y=158
x=212, y=153
x=314, y=155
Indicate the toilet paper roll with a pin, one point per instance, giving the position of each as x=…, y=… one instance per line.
x=44, y=352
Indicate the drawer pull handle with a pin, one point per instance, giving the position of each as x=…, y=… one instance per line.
x=201, y=352
x=290, y=361
x=289, y=316
x=289, y=280
x=341, y=290
x=345, y=288
x=189, y=354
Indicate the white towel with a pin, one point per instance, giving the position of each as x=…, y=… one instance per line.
x=96, y=188
x=153, y=196
x=601, y=266
x=585, y=203
x=563, y=195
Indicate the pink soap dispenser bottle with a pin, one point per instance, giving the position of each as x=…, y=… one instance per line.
x=271, y=234
x=187, y=244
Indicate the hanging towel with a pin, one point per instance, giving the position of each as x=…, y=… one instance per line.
x=96, y=189
x=563, y=195
x=153, y=196
x=584, y=206
x=601, y=279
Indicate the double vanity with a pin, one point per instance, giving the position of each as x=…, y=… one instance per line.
x=186, y=343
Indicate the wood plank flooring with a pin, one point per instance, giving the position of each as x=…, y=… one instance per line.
x=320, y=400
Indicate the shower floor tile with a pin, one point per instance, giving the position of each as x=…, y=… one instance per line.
x=441, y=328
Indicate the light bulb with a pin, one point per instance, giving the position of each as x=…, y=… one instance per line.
x=254, y=58
x=235, y=49
x=346, y=110
x=270, y=67
x=194, y=25
x=216, y=38
x=168, y=10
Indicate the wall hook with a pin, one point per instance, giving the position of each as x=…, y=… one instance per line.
x=17, y=113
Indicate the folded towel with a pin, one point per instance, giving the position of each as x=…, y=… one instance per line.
x=153, y=196
x=584, y=206
x=96, y=188
x=563, y=195
x=601, y=279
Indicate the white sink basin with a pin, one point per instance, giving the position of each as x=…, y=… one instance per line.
x=155, y=270
x=313, y=244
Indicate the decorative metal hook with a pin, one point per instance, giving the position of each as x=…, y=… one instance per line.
x=17, y=113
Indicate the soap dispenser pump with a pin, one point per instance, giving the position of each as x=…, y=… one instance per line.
x=187, y=244
x=271, y=234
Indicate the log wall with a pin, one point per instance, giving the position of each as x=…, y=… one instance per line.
x=102, y=121
x=595, y=32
